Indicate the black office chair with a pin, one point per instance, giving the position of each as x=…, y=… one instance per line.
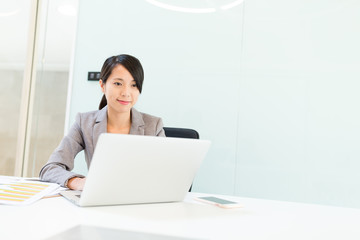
x=181, y=133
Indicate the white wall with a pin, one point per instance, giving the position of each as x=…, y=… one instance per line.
x=273, y=84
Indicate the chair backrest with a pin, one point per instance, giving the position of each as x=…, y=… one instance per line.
x=181, y=132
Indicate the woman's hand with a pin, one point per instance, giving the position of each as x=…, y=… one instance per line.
x=76, y=183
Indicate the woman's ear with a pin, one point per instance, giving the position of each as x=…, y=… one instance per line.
x=102, y=85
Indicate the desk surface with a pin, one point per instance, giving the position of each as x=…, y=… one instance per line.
x=259, y=219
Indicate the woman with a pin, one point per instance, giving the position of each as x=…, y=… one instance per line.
x=121, y=82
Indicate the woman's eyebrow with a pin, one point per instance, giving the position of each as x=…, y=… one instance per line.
x=120, y=79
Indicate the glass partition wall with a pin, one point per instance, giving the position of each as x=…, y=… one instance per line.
x=14, y=21
x=55, y=42
x=273, y=84
x=34, y=62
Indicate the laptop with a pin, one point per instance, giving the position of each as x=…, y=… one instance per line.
x=132, y=169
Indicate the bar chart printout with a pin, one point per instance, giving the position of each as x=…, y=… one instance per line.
x=18, y=191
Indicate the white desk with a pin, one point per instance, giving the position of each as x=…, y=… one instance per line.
x=259, y=219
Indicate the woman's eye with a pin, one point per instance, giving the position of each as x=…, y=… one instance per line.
x=134, y=85
x=117, y=83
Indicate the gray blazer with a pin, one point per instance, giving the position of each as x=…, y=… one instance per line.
x=84, y=134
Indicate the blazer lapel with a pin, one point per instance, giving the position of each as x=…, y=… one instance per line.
x=100, y=125
x=137, y=123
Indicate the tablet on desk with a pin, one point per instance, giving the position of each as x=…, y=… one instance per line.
x=220, y=202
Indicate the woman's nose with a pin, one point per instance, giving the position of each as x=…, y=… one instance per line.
x=124, y=92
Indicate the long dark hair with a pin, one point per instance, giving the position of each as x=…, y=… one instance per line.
x=132, y=64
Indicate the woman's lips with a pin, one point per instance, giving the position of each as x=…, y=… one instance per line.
x=124, y=102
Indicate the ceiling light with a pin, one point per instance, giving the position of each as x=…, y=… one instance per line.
x=194, y=10
x=231, y=5
x=181, y=9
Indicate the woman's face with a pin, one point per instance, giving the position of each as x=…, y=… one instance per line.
x=120, y=90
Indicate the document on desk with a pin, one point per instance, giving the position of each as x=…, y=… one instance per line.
x=20, y=191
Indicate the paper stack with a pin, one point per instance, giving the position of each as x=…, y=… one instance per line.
x=20, y=191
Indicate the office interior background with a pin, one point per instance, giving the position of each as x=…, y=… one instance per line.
x=273, y=84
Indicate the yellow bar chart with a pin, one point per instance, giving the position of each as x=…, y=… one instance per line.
x=17, y=191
